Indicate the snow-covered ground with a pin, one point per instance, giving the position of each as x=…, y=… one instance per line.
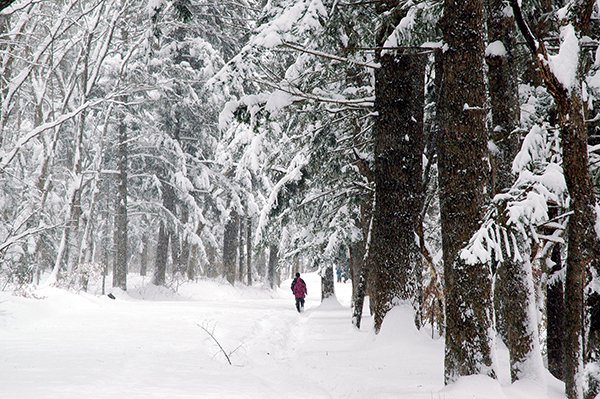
x=149, y=343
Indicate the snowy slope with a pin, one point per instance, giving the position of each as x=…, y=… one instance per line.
x=148, y=343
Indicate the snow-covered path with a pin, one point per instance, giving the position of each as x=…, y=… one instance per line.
x=148, y=343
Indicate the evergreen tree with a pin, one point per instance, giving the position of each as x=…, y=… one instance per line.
x=462, y=151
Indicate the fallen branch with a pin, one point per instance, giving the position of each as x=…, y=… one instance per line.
x=212, y=335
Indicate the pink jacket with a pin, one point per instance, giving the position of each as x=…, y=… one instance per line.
x=300, y=288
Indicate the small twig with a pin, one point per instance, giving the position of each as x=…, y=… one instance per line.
x=217, y=342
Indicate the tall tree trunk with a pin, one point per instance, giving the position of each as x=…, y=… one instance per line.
x=398, y=134
x=582, y=243
x=184, y=258
x=164, y=236
x=555, y=309
x=327, y=283
x=358, y=304
x=194, y=256
x=162, y=253
x=463, y=166
x=120, y=237
x=367, y=262
x=144, y=256
x=592, y=341
x=249, y=250
x=504, y=95
x=582, y=239
x=241, y=256
x=519, y=312
x=230, y=247
x=357, y=255
x=176, y=240
x=272, y=266
x=515, y=296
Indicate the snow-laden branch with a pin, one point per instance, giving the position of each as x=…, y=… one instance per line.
x=366, y=102
x=5, y=161
x=14, y=239
x=516, y=216
x=294, y=173
x=331, y=56
x=102, y=52
x=56, y=31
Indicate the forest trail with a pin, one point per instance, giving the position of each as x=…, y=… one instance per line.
x=148, y=343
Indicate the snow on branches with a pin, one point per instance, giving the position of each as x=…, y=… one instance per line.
x=515, y=215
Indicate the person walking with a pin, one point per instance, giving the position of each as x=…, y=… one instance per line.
x=299, y=290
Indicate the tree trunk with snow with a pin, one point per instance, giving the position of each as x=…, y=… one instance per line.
x=463, y=177
x=504, y=95
x=357, y=255
x=398, y=135
x=582, y=239
x=520, y=313
x=514, y=296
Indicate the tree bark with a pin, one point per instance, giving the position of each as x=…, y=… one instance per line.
x=327, y=283
x=582, y=239
x=519, y=310
x=162, y=253
x=463, y=176
x=230, y=247
x=249, y=250
x=398, y=134
x=272, y=266
x=514, y=296
x=241, y=250
x=555, y=309
x=164, y=237
x=357, y=255
x=144, y=256
x=120, y=236
x=504, y=97
x=592, y=341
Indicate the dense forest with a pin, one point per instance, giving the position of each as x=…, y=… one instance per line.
x=446, y=154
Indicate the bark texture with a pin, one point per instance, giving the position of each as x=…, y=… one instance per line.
x=463, y=160
x=249, y=250
x=164, y=237
x=272, y=266
x=555, y=309
x=327, y=283
x=120, y=236
x=398, y=134
x=230, y=247
x=504, y=96
x=582, y=242
x=519, y=313
x=160, y=262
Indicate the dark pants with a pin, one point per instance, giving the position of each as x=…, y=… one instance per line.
x=299, y=304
